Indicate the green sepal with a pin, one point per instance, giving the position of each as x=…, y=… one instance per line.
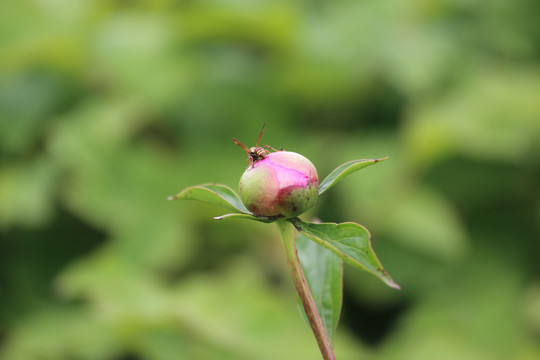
x=263, y=219
x=350, y=241
x=344, y=170
x=215, y=194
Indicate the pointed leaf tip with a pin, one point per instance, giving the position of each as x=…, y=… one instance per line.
x=344, y=170
x=351, y=242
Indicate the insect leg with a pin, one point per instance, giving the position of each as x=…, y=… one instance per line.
x=271, y=148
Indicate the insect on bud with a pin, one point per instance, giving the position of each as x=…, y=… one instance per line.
x=281, y=183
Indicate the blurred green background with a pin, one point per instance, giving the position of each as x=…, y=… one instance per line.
x=108, y=107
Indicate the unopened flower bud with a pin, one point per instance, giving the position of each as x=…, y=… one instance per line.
x=283, y=184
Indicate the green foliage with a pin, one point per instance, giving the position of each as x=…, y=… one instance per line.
x=216, y=194
x=344, y=170
x=108, y=107
x=324, y=274
x=350, y=241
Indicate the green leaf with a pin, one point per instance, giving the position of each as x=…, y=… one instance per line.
x=215, y=194
x=345, y=169
x=324, y=273
x=350, y=241
x=247, y=217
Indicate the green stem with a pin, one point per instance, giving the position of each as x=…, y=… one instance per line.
x=286, y=232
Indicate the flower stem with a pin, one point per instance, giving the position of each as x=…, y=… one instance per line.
x=286, y=232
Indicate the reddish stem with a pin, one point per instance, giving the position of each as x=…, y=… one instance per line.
x=286, y=232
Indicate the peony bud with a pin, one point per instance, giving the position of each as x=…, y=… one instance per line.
x=283, y=183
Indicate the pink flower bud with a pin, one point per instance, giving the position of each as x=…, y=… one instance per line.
x=283, y=183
